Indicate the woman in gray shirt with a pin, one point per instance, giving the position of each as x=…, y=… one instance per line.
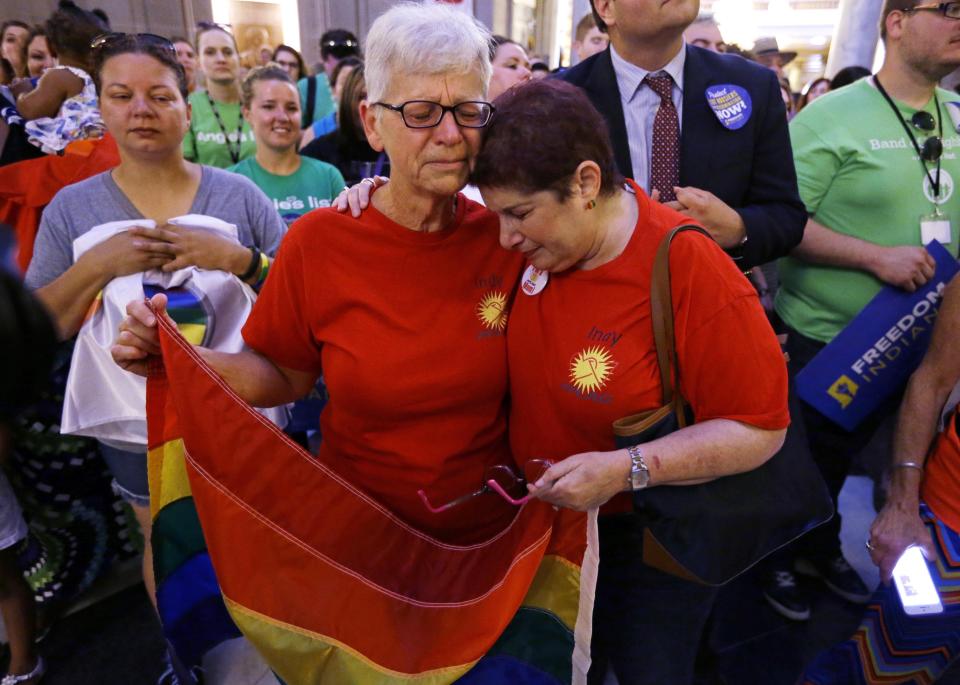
x=142, y=91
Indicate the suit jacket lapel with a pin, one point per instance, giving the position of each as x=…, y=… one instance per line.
x=699, y=122
x=605, y=95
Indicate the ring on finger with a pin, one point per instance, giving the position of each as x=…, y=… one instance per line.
x=373, y=183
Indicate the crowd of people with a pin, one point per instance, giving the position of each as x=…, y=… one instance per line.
x=483, y=295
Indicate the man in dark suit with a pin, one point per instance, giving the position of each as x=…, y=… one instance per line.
x=736, y=178
x=706, y=133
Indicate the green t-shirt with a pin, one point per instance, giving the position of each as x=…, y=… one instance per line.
x=206, y=143
x=323, y=103
x=313, y=185
x=860, y=175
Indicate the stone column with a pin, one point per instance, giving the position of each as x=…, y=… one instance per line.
x=855, y=38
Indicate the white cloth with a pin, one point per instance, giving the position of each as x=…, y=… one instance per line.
x=640, y=105
x=102, y=400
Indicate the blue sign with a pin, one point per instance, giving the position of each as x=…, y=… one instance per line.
x=875, y=354
x=731, y=104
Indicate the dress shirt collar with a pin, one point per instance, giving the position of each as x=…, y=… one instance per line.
x=630, y=76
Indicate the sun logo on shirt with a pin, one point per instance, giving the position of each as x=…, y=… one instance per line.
x=591, y=369
x=492, y=310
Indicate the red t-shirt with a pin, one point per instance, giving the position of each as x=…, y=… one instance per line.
x=408, y=329
x=582, y=351
x=941, y=482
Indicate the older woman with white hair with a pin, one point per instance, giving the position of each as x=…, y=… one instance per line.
x=403, y=309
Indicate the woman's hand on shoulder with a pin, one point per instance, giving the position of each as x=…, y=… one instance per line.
x=583, y=481
x=138, y=340
x=356, y=198
x=129, y=252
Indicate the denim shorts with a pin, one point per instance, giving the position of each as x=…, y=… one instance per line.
x=129, y=471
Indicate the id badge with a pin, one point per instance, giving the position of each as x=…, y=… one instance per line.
x=935, y=227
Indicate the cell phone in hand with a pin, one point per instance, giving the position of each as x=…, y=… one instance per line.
x=914, y=584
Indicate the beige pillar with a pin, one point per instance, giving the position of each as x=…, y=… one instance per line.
x=855, y=38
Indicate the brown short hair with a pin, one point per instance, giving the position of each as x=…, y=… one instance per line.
x=540, y=133
x=890, y=6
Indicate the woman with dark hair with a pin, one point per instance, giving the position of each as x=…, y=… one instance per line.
x=38, y=55
x=218, y=134
x=290, y=61
x=581, y=354
x=347, y=147
x=510, y=65
x=142, y=97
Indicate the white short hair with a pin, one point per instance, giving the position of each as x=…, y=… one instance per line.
x=428, y=38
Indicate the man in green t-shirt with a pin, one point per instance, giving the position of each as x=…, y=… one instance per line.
x=873, y=169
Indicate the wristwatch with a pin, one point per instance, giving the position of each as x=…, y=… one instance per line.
x=639, y=477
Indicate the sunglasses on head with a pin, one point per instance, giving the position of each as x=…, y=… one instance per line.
x=106, y=42
x=932, y=147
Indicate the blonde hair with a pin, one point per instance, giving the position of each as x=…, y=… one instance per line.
x=411, y=38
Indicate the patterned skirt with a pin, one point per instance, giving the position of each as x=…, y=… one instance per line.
x=78, y=526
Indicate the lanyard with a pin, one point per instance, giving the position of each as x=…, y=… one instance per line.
x=916, y=146
x=234, y=154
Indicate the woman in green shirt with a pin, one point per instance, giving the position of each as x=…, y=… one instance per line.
x=218, y=134
x=295, y=184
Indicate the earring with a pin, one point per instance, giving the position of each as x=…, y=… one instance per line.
x=591, y=204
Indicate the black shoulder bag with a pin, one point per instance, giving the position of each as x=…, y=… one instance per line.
x=712, y=532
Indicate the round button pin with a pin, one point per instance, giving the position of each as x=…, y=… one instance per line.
x=534, y=280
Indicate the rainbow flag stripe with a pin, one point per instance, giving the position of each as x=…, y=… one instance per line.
x=329, y=585
x=892, y=647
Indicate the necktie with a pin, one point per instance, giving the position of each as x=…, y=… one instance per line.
x=665, y=160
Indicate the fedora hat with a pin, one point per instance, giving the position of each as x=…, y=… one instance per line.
x=767, y=45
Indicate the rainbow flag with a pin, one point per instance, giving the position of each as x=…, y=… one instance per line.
x=330, y=586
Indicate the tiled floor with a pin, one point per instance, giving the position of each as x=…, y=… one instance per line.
x=116, y=641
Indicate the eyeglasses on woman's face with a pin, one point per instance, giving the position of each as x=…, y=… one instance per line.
x=428, y=114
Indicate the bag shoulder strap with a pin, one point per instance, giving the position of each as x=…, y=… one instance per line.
x=661, y=313
x=311, y=97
